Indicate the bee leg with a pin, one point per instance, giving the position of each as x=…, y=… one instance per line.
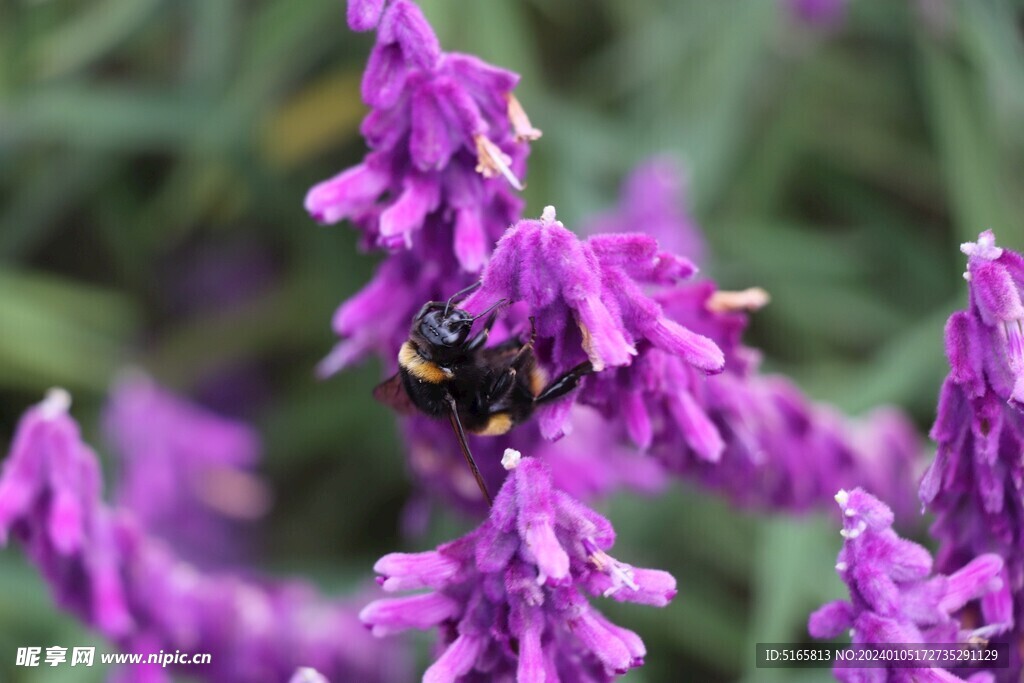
x=521, y=364
x=526, y=349
x=518, y=344
x=481, y=338
x=564, y=383
x=460, y=434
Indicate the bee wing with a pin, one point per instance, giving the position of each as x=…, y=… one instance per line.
x=391, y=392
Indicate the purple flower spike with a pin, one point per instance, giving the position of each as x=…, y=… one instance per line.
x=448, y=143
x=995, y=276
x=48, y=487
x=712, y=427
x=587, y=302
x=738, y=432
x=742, y=433
x=132, y=588
x=975, y=486
x=186, y=473
x=508, y=598
x=893, y=597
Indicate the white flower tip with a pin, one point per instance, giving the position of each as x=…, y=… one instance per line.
x=851, y=534
x=307, y=674
x=842, y=497
x=511, y=459
x=850, y=512
x=984, y=248
x=548, y=215
x=56, y=403
x=841, y=566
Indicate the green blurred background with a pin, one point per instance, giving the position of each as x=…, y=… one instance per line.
x=154, y=155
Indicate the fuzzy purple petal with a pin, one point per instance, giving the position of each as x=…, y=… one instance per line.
x=831, y=619
x=364, y=15
x=530, y=561
x=893, y=598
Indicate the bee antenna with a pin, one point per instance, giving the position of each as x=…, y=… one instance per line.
x=496, y=304
x=462, y=293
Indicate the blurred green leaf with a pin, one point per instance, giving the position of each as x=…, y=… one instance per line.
x=716, y=97
x=991, y=36
x=41, y=196
x=794, y=575
x=93, y=31
x=59, y=332
x=100, y=117
x=213, y=42
x=970, y=150
x=906, y=371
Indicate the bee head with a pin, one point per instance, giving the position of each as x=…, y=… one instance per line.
x=441, y=326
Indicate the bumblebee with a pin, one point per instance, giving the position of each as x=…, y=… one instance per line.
x=443, y=371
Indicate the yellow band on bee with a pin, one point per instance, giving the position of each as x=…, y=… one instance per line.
x=420, y=368
x=498, y=424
